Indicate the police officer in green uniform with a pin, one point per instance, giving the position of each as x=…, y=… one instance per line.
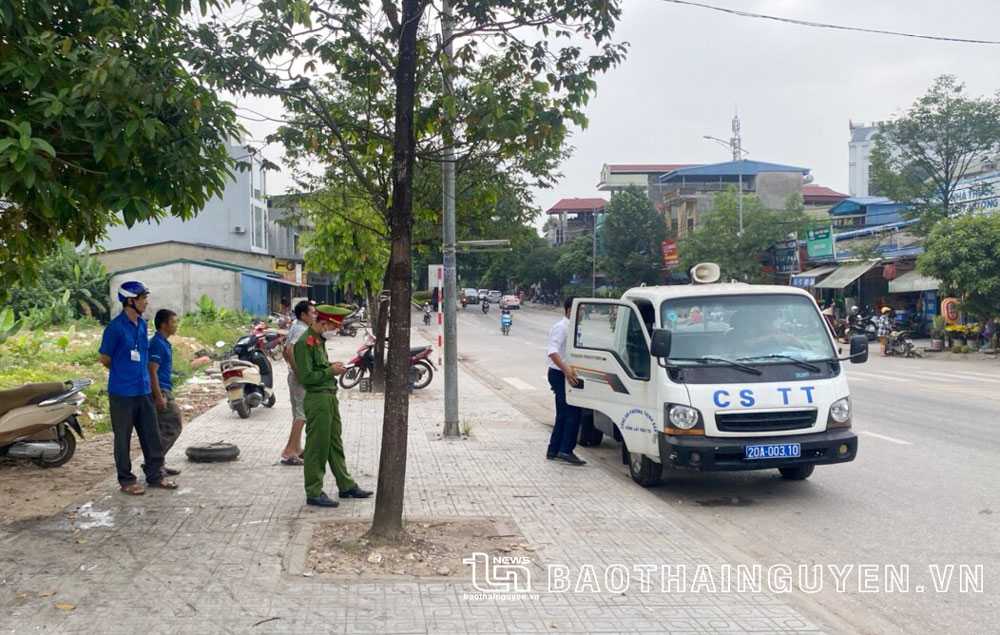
x=323, y=442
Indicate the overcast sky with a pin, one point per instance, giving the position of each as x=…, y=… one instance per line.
x=795, y=87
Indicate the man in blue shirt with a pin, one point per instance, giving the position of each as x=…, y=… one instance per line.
x=125, y=353
x=161, y=366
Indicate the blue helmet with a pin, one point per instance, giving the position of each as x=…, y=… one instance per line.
x=131, y=289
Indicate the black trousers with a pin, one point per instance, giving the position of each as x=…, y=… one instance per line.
x=139, y=413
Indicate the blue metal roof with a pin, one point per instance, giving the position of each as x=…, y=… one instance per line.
x=730, y=168
x=855, y=203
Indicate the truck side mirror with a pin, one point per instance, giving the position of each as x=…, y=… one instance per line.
x=660, y=346
x=859, y=349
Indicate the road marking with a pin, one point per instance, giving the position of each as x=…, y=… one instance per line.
x=519, y=384
x=853, y=373
x=948, y=377
x=979, y=376
x=884, y=437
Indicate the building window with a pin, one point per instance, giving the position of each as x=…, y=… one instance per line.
x=258, y=238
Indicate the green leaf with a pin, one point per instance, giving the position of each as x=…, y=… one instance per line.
x=44, y=145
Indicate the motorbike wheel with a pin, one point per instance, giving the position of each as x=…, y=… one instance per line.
x=275, y=353
x=67, y=448
x=426, y=375
x=270, y=401
x=352, y=377
x=351, y=330
x=242, y=408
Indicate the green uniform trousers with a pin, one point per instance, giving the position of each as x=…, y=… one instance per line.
x=323, y=443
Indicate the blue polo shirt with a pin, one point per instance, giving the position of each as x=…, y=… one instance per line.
x=128, y=377
x=162, y=353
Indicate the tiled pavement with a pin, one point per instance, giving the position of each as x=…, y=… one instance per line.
x=209, y=557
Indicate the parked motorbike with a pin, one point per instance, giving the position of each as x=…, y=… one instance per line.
x=34, y=420
x=270, y=342
x=247, y=376
x=349, y=328
x=899, y=343
x=505, y=322
x=364, y=362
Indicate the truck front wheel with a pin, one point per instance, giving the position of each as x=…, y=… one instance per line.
x=800, y=473
x=644, y=471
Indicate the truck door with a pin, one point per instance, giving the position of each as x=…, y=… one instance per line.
x=608, y=346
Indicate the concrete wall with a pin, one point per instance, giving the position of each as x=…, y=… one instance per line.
x=150, y=254
x=774, y=188
x=214, y=225
x=179, y=286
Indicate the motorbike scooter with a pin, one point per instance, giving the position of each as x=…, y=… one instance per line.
x=34, y=420
x=269, y=341
x=899, y=343
x=363, y=363
x=486, y=305
x=505, y=322
x=247, y=376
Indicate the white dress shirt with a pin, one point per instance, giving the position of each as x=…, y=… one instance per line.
x=557, y=341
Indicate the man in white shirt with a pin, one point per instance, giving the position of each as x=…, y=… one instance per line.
x=305, y=315
x=567, y=427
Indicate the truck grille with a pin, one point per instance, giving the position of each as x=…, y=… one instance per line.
x=765, y=421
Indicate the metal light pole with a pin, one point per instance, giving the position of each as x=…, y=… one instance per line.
x=735, y=144
x=451, y=429
x=593, y=259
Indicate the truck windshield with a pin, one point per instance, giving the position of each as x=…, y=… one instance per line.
x=757, y=329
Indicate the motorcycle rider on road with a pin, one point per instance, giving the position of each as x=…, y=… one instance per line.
x=505, y=318
x=427, y=313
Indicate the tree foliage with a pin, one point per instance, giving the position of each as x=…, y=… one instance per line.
x=633, y=231
x=576, y=259
x=717, y=238
x=100, y=123
x=921, y=157
x=964, y=253
x=69, y=284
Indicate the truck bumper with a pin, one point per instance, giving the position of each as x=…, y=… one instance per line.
x=729, y=453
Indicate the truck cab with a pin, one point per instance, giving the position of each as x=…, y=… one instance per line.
x=713, y=377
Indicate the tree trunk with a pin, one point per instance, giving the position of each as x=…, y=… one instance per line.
x=387, y=525
x=381, y=319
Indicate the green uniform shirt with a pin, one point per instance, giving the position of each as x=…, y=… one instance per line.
x=312, y=366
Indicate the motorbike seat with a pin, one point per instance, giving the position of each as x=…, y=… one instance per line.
x=29, y=395
x=416, y=350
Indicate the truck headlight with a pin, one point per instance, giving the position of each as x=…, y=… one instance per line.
x=840, y=412
x=683, y=417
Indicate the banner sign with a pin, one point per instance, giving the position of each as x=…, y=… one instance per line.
x=819, y=242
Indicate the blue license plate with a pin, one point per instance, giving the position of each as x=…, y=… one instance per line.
x=774, y=451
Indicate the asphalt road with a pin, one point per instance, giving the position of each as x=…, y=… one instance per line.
x=923, y=491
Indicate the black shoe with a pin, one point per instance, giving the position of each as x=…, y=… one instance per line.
x=570, y=458
x=169, y=471
x=322, y=501
x=355, y=492
x=550, y=455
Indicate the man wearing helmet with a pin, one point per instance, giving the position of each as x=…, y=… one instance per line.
x=125, y=353
x=323, y=441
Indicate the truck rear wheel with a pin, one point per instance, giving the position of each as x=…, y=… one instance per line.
x=590, y=436
x=800, y=473
x=644, y=470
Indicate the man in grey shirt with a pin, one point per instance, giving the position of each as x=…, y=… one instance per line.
x=305, y=315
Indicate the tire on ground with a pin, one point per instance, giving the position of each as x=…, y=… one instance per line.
x=590, y=436
x=799, y=473
x=212, y=452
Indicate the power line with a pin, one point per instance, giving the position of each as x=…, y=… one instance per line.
x=821, y=25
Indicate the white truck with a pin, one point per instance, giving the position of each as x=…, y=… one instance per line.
x=716, y=376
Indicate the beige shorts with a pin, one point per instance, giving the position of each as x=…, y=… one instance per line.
x=296, y=393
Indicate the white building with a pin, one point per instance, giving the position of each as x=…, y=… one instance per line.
x=859, y=157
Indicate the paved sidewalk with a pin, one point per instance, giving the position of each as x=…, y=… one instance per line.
x=208, y=558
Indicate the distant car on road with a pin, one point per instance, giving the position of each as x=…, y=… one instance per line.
x=510, y=302
x=482, y=295
x=494, y=296
x=471, y=296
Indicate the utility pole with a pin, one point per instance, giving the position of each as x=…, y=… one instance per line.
x=593, y=259
x=451, y=429
x=737, y=144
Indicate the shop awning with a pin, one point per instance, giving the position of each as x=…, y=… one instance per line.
x=846, y=274
x=276, y=279
x=809, y=278
x=913, y=282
